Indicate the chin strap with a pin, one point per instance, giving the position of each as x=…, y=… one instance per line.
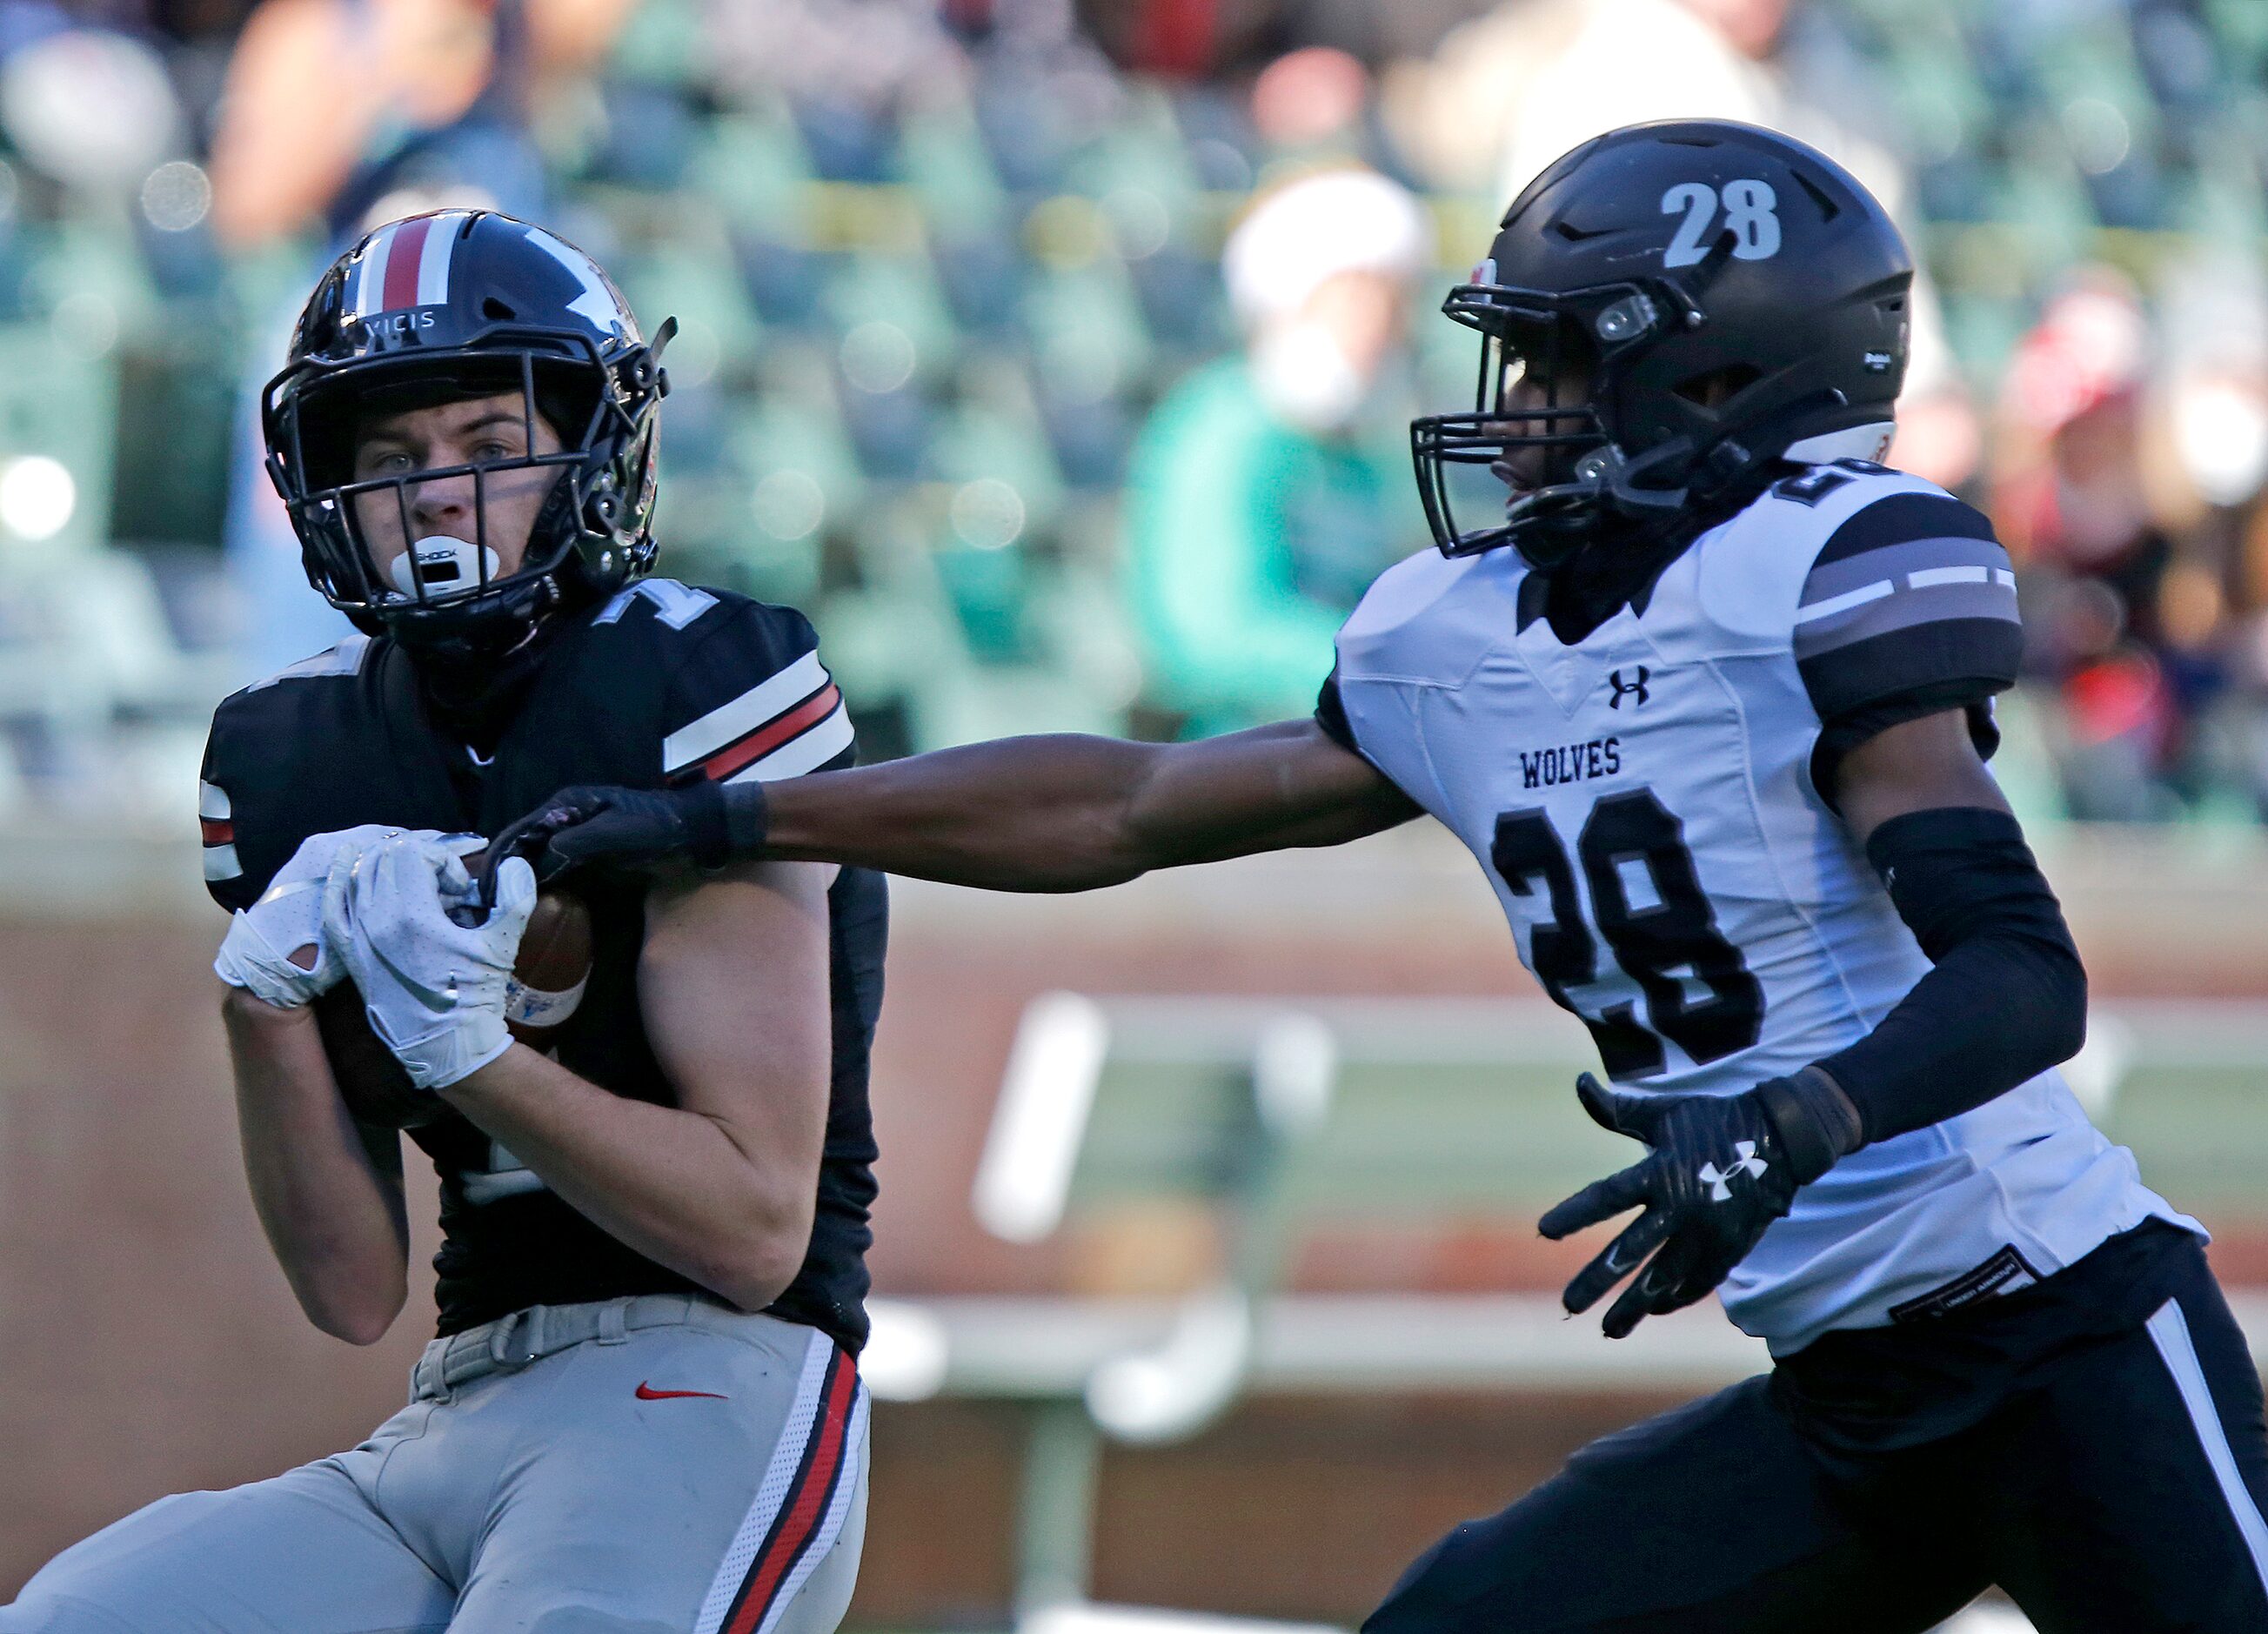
x=1738, y=448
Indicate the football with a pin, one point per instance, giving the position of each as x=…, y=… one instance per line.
x=554, y=963
x=547, y=987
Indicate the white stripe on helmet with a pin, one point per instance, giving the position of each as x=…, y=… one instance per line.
x=369, y=274
x=433, y=263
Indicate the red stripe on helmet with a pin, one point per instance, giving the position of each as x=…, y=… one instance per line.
x=402, y=259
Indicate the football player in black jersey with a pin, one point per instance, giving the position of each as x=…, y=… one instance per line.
x=642, y=1410
x=1708, y=696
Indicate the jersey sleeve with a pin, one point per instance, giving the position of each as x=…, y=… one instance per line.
x=752, y=700
x=223, y=864
x=1909, y=607
x=242, y=842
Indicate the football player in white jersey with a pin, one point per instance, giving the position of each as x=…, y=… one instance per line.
x=1709, y=696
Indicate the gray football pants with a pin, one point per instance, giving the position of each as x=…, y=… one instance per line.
x=630, y=1467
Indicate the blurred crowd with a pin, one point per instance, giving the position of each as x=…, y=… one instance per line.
x=1056, y=356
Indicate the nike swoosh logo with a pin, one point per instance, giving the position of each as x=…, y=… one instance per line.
x=647, y=1393
x=439, y=1000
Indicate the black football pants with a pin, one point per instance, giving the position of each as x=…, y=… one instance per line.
x=2122, y=1492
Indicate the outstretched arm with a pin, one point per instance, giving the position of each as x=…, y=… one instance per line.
x=1040, y=813
x=1069, y=813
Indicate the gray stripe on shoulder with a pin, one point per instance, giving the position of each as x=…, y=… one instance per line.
x=344, y=660
x=1831, y=580
x=1882, y=615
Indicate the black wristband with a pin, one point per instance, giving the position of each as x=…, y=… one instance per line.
x=708, y=837
x=1817, y=1122
x=747, y=818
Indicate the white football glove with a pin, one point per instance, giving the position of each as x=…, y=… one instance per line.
x=256, y=955
x=434, y=987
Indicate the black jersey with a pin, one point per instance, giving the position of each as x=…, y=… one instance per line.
x=666, y=683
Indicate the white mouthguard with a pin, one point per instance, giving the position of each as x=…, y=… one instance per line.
x=450, y=566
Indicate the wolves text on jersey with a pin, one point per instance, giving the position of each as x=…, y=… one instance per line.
x=1570, y=763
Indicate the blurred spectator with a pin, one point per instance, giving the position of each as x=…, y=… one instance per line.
x=862, y=53
x=1312, y=103
x=2071, y=498
x=1510, y=93
x=2209, y=449
x=1269, y=487
x=1199, y=39
x=355, y=111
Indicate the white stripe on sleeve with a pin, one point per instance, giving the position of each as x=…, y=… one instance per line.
x=213, y=801
x=1924, y=579
x=1844, y=602
x=759, y=704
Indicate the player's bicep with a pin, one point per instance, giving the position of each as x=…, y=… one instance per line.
x=1926, y=764
x=732, y=987
x=1289, y=783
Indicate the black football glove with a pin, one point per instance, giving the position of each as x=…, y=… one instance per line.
x=617, y=827
x=1722, y=1169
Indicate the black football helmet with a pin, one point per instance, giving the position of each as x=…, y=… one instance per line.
x=458, y=304
x=1695, y=299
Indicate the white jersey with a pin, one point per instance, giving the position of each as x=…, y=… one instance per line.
x=1643, y=804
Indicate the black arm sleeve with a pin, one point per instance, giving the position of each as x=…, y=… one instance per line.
x=2008, y=999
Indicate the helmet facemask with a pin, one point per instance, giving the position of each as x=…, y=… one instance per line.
x=598, y=457
x=1554, y=371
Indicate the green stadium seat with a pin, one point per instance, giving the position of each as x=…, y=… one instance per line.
x=663, y=43
x=899, y=293
x=949, y=170
x=2240, y=32
x=59, y=401
x=1086, y=329
x=750, y=167
x=693, y=276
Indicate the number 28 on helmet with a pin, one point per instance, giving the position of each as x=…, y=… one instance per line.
x=1665, y=311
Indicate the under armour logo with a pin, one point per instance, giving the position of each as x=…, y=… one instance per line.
x=1717, y=1179
x=1615, y=678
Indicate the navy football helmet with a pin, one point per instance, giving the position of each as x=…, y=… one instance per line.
x=1694, y=300
x=459, y=304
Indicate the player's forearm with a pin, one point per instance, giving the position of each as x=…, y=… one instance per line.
x=1038, y=813
x=1069, y=813
x=2006, y=996
x=335, y=1222
x=669, y=1183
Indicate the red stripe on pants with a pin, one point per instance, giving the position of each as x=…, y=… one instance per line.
x=801, y=1516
